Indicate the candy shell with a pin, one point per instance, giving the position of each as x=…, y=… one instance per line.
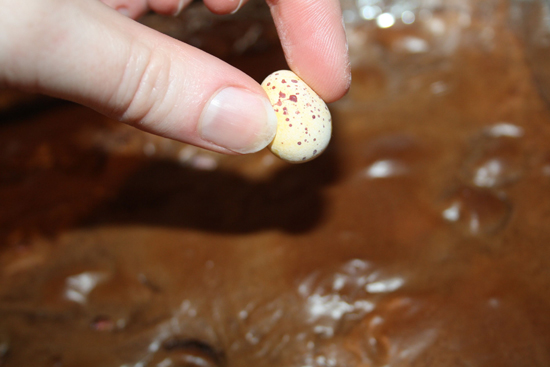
x=304, y=125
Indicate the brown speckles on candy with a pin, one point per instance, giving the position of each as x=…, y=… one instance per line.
x=298, y=104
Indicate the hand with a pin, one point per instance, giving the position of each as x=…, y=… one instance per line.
x=85, y=51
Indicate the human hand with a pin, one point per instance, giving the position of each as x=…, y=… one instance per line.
x=86, y=52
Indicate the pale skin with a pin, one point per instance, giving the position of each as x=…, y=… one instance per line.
x=88, y=52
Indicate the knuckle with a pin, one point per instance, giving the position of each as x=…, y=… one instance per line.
x=144, y=86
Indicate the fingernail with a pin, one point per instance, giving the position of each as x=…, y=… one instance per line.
x=124, y=11
x=238, y=120
x=238, y=7
x=181, y=4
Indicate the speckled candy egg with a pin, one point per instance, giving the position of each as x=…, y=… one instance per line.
x=304, y=125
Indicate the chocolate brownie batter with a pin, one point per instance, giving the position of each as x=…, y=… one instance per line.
x=419, y=238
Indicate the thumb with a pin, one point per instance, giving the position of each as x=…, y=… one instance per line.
x=84, y=51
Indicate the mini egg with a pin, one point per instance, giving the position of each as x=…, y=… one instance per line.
x=304, y=125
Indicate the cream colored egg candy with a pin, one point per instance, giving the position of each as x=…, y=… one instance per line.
x=304, y=124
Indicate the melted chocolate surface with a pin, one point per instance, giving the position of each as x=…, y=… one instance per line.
x=419, y=238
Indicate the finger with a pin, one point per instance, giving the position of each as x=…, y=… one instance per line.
x=168, y=7
x=130, y=8
x=136, y=8
x=314, y=41
x=224, y=6
x=88, y=53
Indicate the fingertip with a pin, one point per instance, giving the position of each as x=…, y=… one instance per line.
x=168, y=7
x=331, y=80
x=238, y=120
x=314, y=41
x=133, y=9
x=224, y=6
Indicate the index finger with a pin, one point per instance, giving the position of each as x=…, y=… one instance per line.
x=314, y=41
